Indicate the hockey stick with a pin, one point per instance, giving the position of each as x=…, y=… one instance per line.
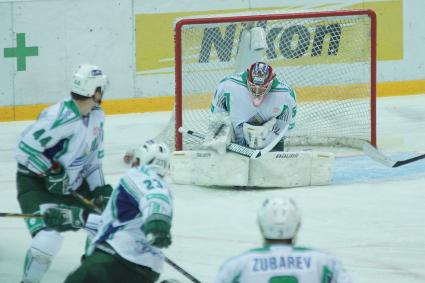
x=233, y=147
x=181, y=270
x=86, y=202
x=240, y=149
x=21, y=215
x=379, y=157
x=167, y=260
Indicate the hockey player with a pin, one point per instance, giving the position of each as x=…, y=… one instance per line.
x=134, y=226
x=60, y=155
x=254, y=107
x=279, y=260
x=250, y=108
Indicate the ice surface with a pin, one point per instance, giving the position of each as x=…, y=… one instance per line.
x=372, y=217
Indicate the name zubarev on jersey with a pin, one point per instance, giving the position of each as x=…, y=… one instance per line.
x=283, y=262
x=292, y=42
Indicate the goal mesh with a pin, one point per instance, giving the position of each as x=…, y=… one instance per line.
x=327, y=57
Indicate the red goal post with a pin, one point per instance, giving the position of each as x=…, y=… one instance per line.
x=328, y=57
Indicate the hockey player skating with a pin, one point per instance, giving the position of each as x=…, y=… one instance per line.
x=279, y=260
x=58, y=154
x=250, y=108
x=134, y=226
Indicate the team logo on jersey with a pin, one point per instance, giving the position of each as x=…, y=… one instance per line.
x=276, y=110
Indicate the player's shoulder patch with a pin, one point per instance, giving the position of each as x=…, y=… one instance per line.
x=66, y=113
x=130, y=180
x=283, y=88
x=238, y=78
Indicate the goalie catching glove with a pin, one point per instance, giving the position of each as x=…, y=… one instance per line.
x=258, y=137
x=157, y=230
x=219, y=133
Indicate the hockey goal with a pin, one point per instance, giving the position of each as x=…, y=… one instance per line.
x=329, y=58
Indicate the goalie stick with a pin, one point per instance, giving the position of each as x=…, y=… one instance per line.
x=240, y=149
x=379, y=157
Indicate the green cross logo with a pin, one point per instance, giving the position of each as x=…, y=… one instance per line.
x=21, y=52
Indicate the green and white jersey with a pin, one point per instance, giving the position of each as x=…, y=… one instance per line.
x=282, y=264
x=141, y=193
x=233, y=96
x=61, y=134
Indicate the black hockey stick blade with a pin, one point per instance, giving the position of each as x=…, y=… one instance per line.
x=379, y=157
x=192, y=133
x=410, y=160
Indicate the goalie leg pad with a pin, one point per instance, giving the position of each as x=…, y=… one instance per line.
x=291, y=169
x=44, y=247
x=207, y=168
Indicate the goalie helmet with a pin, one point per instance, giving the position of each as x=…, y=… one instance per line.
x=259, y=81
x=279, y=218
x=86, y=79
x=154, y=155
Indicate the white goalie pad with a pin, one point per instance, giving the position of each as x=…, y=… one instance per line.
x=273, y=169
x=208, y=168
x=291, y=169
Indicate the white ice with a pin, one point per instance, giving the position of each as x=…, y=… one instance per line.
x=372, y=217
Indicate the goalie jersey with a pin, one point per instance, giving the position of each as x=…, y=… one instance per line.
x=61, y=134
x=282, y=263
x=141, y=192
x=232, y=96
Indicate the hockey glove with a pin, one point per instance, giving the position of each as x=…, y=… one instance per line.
x=157, y=228
x=101, y=196
x=257, y=136
x=57, y=179
x=219, y=133
x=64, y=218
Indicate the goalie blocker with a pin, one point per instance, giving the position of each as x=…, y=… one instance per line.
x=273, y=169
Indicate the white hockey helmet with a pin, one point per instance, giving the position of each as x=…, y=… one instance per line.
x=155, y=155
x=86, y=79
x=279, y=218
x=259, y=81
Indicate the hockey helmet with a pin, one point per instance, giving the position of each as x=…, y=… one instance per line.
x=154, y=155
x=86, y=79
x=259, y=81
x=279, y=218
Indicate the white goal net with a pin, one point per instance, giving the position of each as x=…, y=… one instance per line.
x=327, y=57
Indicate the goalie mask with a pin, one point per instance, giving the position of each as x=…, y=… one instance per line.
x=259, y=81
x=279, y=219
x=87, y=79
x=154, y=155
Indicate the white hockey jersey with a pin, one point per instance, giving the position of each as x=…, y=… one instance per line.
x=140, y=193
x=61, y=134
x=282, y=263
x=233, y=96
